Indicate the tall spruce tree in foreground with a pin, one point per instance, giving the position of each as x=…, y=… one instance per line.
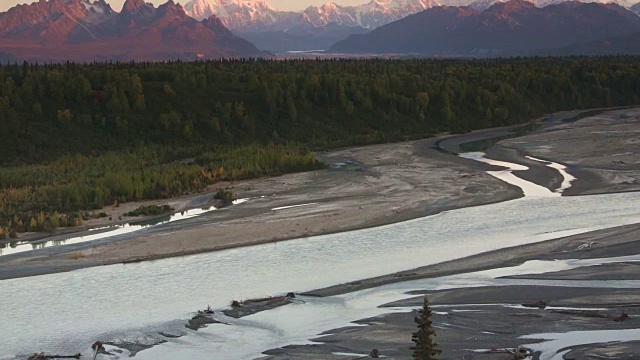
x=426, y=347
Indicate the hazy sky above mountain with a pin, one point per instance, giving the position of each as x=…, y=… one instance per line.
x=279, y=4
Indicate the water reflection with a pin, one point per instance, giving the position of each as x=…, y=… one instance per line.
x=528, y=188
x=106, y=231
x=12, y=244
x=567, y=178
x=102, y=233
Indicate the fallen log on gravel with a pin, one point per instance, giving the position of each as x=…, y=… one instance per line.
x=43, y=356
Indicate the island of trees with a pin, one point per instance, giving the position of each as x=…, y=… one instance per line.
x=76, y=137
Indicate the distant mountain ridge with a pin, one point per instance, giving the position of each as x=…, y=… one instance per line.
x=317, y=27
x=88, y=30
x=81, y=30
x=314, y=28
x=259, y=15
x=512, y=28
x=301, y=38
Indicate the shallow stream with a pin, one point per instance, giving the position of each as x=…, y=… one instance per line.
x=66, y=312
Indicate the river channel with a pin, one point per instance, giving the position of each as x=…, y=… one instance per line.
x=66, y=312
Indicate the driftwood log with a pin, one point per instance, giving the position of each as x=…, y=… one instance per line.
x=540, y=304
x=43, y=356
x=519, y=352
x=623, y=316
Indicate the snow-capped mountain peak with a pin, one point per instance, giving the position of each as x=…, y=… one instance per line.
x=259, y=14
x=201, y=9
x=328, y=6
x=99, y=6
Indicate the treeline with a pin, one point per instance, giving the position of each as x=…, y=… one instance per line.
x=122, y=117
x=44, y=197
x=50, y=110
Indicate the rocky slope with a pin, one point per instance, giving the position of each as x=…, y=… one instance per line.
x=80, y=30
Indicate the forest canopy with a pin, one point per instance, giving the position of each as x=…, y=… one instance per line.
x=79, y=136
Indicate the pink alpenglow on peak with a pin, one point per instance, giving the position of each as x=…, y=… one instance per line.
x=261, y=15
x=84, y=31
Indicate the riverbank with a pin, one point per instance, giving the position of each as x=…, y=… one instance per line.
x=602, y=150
x=250, y=272
x=586, y=308
x=364, y=187
x=478, y=312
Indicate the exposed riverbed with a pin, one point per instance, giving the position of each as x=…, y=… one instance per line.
x=147, y=303
x=67, y=310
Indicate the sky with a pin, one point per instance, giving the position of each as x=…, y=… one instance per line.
x=278, y=4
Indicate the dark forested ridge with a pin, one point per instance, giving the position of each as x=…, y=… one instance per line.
x=77, y=137
x=511, y=28
x=50, y=110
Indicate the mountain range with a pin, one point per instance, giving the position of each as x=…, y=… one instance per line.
x=80, y=30
x=90, y=30
x=513, y=28
x=317, y=27
x=314, y=28
x=260, y=15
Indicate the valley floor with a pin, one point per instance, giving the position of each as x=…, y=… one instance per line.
x=382, y=184
x=364, y=187
x=480, y=322
x=585, y=303
x=371, y=186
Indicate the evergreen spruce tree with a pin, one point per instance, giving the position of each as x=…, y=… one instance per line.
x=426, y=347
